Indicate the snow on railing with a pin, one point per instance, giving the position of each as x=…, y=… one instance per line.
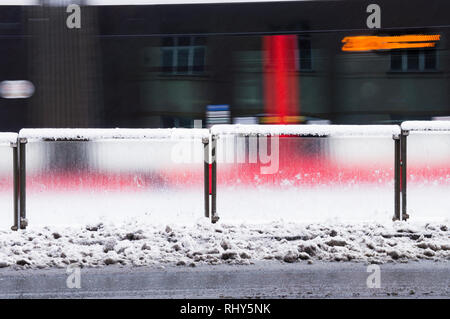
x=307, y=130
x=425, y=159
x=168, y=164
x=8, y=138
x=301, y=166
x=398, y=132
x=426, y=126
x=114, y=133
x=8, y=174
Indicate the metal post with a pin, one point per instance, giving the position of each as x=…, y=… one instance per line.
x=403, y=157
x=214, y=217
x=23, y=223
x=397, y=175
x=15, y=186
x=205, y=142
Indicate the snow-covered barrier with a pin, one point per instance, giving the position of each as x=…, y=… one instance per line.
x=81, y=176
x=428, y=169
x=305, y=173
x=7, y=140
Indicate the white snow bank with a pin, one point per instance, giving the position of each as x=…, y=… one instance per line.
x=114, y=133
x=426, y=125
x=135, y=243
x=310, y=130
x=8, y=138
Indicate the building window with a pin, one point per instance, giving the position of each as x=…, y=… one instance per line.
x=396, y=60
x=430, y=57
x=305, y=54
x=413, y=60
x=416, y=60
x=183, y=55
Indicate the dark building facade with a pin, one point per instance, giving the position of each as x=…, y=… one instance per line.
x=161, y=66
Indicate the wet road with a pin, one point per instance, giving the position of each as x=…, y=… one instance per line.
x=264, y=280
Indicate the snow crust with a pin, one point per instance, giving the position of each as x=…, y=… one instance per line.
x=8, y=137
x=134, y=243
x=114, y=133
x=426, y=125
x=310, y=130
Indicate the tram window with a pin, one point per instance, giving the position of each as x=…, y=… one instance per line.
x=183, y=55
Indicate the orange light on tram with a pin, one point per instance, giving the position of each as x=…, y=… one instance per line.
x=373, y=43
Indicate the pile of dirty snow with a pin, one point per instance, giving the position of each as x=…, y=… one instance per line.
x=137, y=244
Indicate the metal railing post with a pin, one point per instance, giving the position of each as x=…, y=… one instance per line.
x=403, y=162
x=214, y=216
x=23, y=223
x=205, y=142
x=397, y=174
x=15, y=186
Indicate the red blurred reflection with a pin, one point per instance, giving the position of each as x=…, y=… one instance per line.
x=281, y=85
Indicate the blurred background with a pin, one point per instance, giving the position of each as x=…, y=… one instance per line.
x=150, y=64
x=154, y=65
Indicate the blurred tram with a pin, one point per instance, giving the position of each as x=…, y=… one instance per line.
x=153, y=64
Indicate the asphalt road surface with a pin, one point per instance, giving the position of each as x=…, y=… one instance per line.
x=263, y=280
